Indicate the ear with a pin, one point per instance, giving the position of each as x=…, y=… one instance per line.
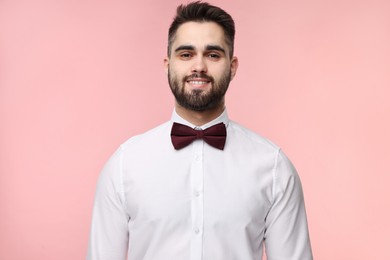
x=166, y=65
x=233, y=67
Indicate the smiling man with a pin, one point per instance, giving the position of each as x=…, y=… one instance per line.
x=200, y=69
x=199, y=186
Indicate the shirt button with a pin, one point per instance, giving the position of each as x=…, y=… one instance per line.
x=197, y=158
x=196, y=193
x=196, y=230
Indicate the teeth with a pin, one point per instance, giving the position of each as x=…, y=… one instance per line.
x=197, y=82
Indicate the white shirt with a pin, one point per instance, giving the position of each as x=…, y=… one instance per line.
x=157, y=203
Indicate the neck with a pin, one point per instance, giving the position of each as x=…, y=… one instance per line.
x=199, y=118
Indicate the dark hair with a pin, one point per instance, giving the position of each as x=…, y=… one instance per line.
x=202, y=12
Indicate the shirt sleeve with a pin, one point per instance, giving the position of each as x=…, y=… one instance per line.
x=286, y=235
x=109, y=229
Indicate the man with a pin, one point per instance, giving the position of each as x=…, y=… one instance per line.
x=182, y=191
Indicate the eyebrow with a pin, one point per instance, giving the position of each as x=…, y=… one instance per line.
x=208, y=48
x=215, y=48
x=185, y=48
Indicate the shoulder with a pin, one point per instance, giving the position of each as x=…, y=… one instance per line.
x=157, y=133
x=248, y=137
x=257, y=144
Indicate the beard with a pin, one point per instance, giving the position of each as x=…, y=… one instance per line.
x=199, y=99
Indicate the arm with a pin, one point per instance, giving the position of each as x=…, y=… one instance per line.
x=286, y=236
x=109, y=231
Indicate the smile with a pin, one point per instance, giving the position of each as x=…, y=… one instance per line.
x=197, y=82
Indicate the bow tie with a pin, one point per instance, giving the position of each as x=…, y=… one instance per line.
x=183, y=135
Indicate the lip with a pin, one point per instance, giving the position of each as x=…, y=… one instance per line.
x=198, y=82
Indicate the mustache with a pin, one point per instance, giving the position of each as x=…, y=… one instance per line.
x=198, y=76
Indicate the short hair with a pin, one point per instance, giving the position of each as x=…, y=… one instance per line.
x=202, y=12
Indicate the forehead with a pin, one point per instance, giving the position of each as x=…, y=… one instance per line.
x=200, y=34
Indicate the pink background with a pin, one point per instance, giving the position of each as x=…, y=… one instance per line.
x=77, y=78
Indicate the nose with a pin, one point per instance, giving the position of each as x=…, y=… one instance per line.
x=199, y=66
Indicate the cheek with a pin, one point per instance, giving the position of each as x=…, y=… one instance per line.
x=178, y=72
x=220, y=71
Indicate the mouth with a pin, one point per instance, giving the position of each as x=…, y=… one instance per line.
x=198, y=82
x=195, y=82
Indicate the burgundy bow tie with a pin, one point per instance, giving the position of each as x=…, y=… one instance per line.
x=183, y=135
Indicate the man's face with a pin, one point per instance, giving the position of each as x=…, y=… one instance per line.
x=199, y=68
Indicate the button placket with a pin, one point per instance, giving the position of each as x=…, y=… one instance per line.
x=197, y=200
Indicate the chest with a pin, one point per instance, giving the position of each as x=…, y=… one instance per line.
x=224, y=190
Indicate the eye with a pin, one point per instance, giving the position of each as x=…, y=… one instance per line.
x=185, y=55
x=214, y=56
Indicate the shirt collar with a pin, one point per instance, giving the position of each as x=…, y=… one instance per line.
x=223, y=117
